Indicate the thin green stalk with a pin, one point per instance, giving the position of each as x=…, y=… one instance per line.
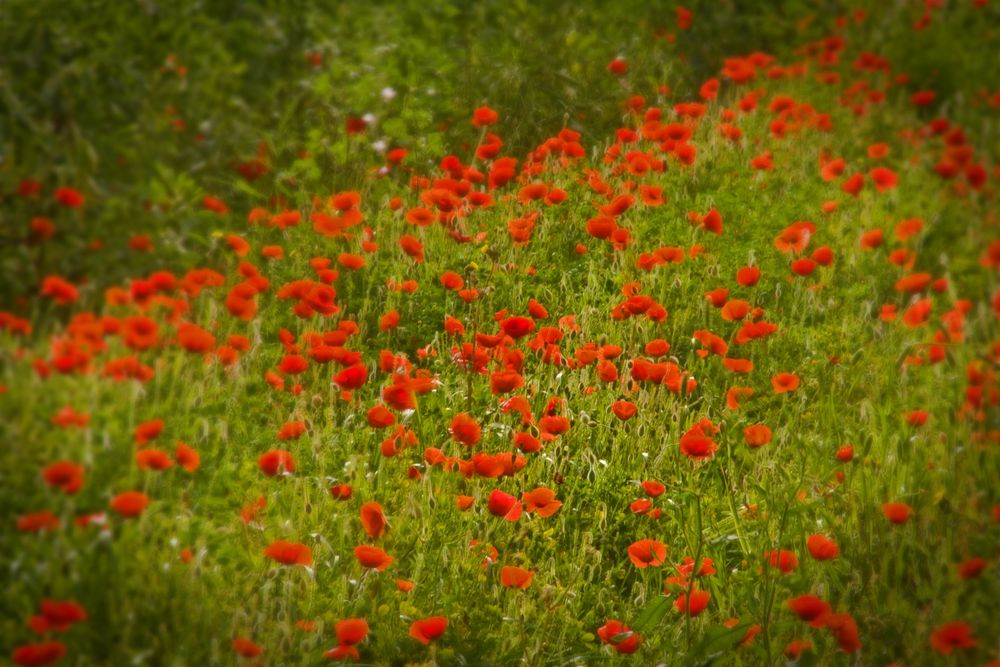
x=694, y=572
x=744, y=546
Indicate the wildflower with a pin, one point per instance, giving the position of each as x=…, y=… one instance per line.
x=620, y=636
x=956, y=634
x=426, y=630
x=130, y=504
x=373, y=520
x=646, y=553
x=289, y=553
x=372, y=557
x=515, y=577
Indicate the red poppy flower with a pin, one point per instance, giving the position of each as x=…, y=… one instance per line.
x=412, y=247
x=291, y=430
x=845, y=631
x=504, y=382
x=352, y=377
x=517, y=327
x=947, y=637
x=803, y=266
x=872, y=239
x=341, y=491
x=853, y=185
x=542, y=501
x=884, y=178
x=624, y=410
x=57, y=616
x=215, y=205
x=59, y=289
x=504, y=505
x=748, y=276
x=69, y=197
x=373, y=520
x=845, y=454
x=795, y=237
x=653, y=488
x=36, y=522
x=399, y=395
x=342, y=652
x=130, y=504
x=389, y=321
x=64, y=475
x=618, y=66
x=757, y=435
x=923, y=98
x=810, y=609
x=246, y=647
x=897, y=512
x=372, y=557
x=718, y=296
x=696, y=444
x=712, y=221
x=465, y=430
x=620, y=636
x=351, y=261
x=426, y=630
x=784, y=560
x=640, y=506
x=646, y=553
x=351, y=631
x=276, y=461
x=147, y=431
x=741, y=366
x=699, y=601
x=380, y=417
x=785, y=382
x=289, y=553
x=153, y=459
x=972, y=568
x=793, y=650
x=484, y=116
x=735, y=309
x=515, y=577
x=822, y=547
x=736, y=394
x=36, y=655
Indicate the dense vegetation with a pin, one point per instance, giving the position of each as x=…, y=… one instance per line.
x=499, y=333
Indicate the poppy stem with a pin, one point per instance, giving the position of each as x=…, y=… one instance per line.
x=471, y=362
x=732, y=508
x=694, y=572
x=770, y=586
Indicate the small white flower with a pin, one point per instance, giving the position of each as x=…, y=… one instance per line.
x=379, y=146
x=369, y=118
x=388, y=94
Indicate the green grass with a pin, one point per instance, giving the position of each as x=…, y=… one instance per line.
x=85, y=92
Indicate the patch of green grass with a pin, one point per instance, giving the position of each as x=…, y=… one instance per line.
x=97, y=99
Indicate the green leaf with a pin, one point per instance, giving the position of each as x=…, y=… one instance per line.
x=652, y=614
x=717, y=640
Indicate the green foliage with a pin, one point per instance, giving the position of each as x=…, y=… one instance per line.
x=148, y=107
